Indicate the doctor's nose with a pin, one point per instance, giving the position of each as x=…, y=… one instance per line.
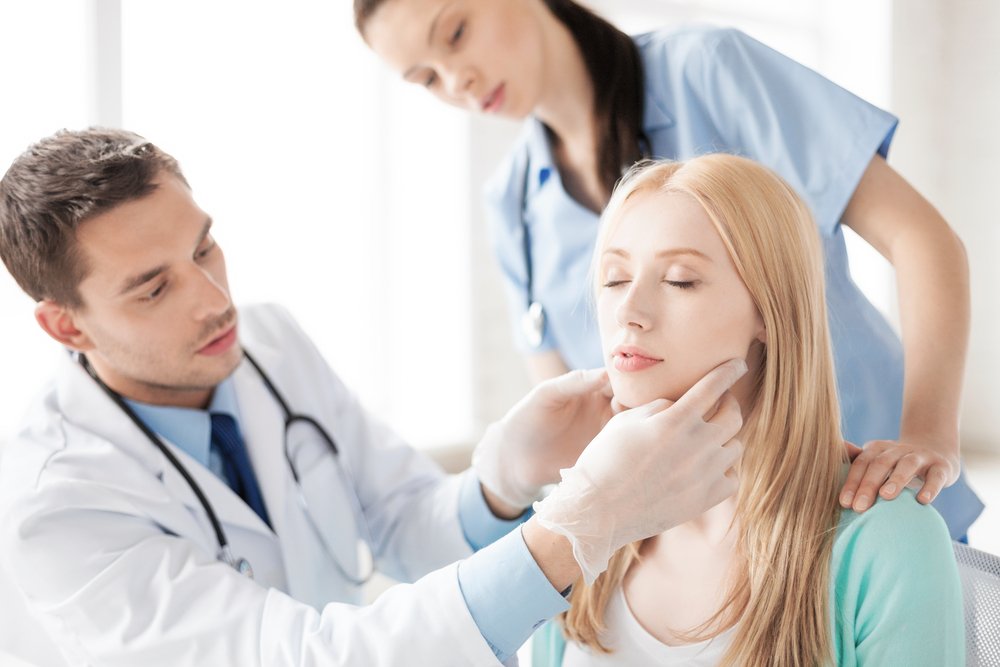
x=212, y=296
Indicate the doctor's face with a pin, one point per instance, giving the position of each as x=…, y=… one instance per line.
x=478, y=55
x=157, y=322
x=671, y=305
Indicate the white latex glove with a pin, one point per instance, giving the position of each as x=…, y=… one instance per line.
x=650, y=469
x=544, y=433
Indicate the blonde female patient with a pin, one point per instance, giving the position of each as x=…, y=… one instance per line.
x=696, y=263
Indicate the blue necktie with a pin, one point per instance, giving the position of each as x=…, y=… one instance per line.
x=236, y=465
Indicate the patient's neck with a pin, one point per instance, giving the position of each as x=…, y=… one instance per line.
x=684, y=575
x=716, y=527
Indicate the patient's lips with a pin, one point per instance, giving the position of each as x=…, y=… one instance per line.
x=631, y=359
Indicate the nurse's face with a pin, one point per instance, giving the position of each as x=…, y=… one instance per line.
x=671, y=305
x=478, y=55
x=157, y=322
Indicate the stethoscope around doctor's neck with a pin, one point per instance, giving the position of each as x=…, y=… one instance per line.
x=225, y=553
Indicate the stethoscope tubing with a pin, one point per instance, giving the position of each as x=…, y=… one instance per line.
x=220, y=534
x=225, y=552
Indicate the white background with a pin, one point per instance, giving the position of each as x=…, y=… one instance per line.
x=354, y=200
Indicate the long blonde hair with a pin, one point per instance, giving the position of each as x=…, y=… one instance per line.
x=790, y=471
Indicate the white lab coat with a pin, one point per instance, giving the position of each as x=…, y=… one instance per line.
x=116, y=557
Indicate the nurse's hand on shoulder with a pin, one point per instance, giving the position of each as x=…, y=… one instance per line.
x=543, y=433
x=885, y=467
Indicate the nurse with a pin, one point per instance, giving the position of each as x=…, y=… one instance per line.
x=595, y=100
x=195, y=485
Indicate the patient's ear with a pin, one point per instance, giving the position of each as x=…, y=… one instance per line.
x=761, y=333
x=60, y=323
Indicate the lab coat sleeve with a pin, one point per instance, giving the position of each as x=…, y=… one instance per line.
x=409, y=504
x=816, y=135
x=116, y=590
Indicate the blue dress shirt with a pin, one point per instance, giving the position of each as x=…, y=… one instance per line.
x=191, y=428
x=718, y=90
x=504, y=589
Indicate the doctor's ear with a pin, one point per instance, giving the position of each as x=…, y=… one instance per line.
x=59, y=322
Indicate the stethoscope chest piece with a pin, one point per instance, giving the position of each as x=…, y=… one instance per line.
x=533, y=324
x=242, y=566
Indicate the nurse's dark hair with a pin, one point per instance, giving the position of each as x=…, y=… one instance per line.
x=56, y=185
x=615, y=68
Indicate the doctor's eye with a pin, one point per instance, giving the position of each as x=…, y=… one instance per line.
x=155, y=294
x=206, y=249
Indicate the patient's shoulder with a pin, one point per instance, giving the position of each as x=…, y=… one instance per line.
x=901, y=537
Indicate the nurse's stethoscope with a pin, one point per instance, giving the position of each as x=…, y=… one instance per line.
x=225, y=554
x=533, y=319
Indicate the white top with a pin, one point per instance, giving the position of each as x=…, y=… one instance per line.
x=632, y=645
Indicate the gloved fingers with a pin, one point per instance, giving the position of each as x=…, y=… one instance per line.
x=579, y=382
x=731, y=453
x=706, y=392
x=617, y=406
x=728, y=415
x=654, y=407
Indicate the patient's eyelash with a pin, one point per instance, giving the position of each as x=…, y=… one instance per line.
x=681, y=284
x=457, y=35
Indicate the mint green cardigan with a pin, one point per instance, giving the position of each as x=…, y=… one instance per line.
x=895, y=594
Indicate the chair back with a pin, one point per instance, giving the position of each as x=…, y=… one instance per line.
x=980, y=575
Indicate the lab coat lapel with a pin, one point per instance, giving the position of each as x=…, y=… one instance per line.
x=263, y=425
x=83, y=402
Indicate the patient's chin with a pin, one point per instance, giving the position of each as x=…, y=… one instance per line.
x=631, y=394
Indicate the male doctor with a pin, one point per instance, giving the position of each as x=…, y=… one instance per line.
x=161, y=507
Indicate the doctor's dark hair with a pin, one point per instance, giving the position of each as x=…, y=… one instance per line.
x=58, y=184
x=615, y=69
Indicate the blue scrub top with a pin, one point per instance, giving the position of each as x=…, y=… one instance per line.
x=718, y=90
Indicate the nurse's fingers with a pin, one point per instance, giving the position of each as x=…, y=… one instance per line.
x=935, y=480
x=852, y=450
x=907, y=467
x=874, y=465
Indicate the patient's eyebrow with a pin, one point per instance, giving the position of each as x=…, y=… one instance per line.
x=670, y=252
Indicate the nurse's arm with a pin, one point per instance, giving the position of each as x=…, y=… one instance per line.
x=932, y=273
x=544, y=365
